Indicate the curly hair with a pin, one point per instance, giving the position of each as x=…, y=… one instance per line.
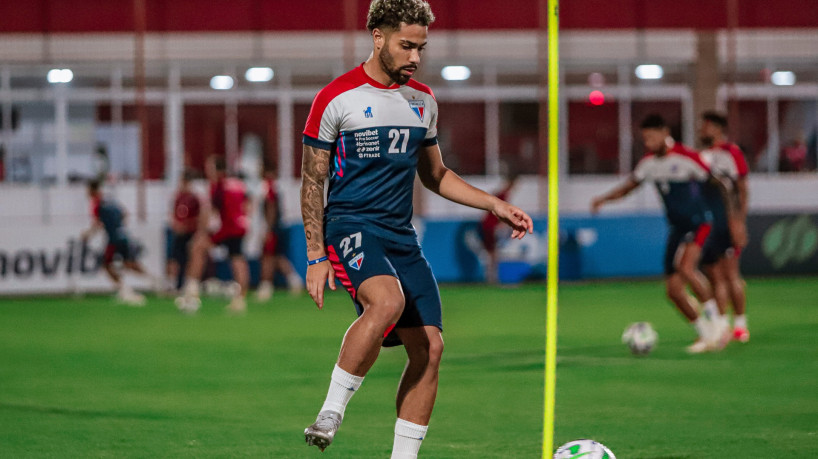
x=391, y=13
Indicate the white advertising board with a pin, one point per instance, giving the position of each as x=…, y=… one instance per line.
x=50, y=258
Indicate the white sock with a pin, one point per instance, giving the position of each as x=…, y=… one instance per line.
x=701, y=326
x=342, y=387
x=740, y=321
x=191, y=287
x=408, y=437
x=711, y=310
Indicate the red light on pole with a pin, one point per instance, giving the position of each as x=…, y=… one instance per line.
x=596, y=98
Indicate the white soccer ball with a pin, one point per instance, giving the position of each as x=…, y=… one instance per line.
x=587, y=449
x=640, y=337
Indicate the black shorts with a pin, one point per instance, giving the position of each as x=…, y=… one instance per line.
x=356, y=255
x=679, y=236
x=179, y=247
x=233, y=244
x=719, y=244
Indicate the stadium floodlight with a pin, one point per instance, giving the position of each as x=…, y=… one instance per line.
x=783, y=78
x=221, y=82
x=455, y=73
x=259, y=74
x=649, y=72
x=60, y=76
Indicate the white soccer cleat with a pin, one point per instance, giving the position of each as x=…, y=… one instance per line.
x=127, y=296
x=700, y=346
x=188, y=304
x=323, y=430
x=237, y=305
x=264, y=292
x=295, y=284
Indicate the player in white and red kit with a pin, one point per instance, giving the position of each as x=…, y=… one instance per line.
x=723, y=249
x=679, y=175
x=228, y=197
x=370, y=131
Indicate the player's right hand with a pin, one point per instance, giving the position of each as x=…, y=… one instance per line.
x=596, y=204
x=317, y=276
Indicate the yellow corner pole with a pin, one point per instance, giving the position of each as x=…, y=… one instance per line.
x=553, y=227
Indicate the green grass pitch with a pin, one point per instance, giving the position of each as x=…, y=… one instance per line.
x=83, y=377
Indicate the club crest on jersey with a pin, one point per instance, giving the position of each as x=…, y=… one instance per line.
x=418, y=106
x=368, y=112
x=357, y=261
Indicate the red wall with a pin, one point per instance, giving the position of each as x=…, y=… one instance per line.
x=37, y=16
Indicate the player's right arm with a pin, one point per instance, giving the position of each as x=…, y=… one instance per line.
x=617, y=193
x=314, y=171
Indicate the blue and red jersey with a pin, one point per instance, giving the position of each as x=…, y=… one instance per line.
x=374, y=134
x=111, y=216
x=679, y=176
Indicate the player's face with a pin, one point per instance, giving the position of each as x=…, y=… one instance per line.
x=399, y=56
x=210, y=170
x=654, y=139
x=708, y=132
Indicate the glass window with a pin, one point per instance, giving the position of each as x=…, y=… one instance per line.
x=122, y=146
x=258, y=134
x=748, y=129
x=593, y=138
x=29, y=155
x=300, y=114
x=798, y=136
x=519, y=136
x=461, y=132
x=204, y=133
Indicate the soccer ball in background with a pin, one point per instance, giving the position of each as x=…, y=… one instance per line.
x=586, y=449
x=640, y=337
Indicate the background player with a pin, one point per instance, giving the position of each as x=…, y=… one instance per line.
x=276, y=241
x=370, y=131
x=679, y=175
x=228, y=198
x=185, y=220
x=109, y=216
x=722, y=252
x=489, y=227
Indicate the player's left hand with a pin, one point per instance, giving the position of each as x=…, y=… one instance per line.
x=516, y=218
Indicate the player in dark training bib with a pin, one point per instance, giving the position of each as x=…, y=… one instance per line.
x=370, y=131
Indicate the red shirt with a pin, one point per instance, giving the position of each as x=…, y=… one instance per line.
x=186, y=209
x=228, y=197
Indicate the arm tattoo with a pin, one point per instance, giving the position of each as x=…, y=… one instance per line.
x=314, y=169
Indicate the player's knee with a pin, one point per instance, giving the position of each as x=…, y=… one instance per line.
x=385, y=310
x=435, y=352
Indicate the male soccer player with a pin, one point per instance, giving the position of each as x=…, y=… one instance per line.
x=721, y=253
x=184, y=222
x=488, y=230
x=229, y=199
x=679, y=175
x=370, y=131
x=109, y=216
x=274, y=257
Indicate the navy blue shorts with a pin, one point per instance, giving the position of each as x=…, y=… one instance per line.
x=719, y=244
x=124, y=248
x=678, y=237
x=357, y=255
